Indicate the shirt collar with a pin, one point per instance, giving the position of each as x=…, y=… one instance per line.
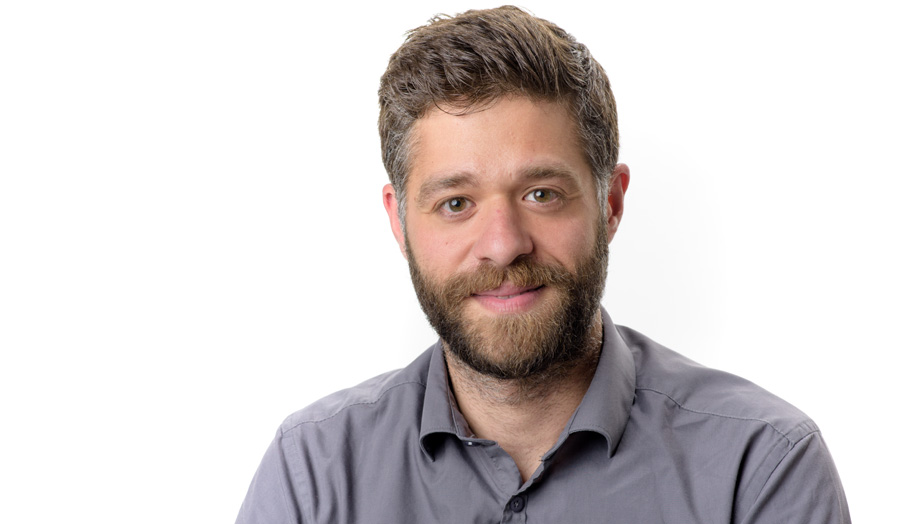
x=604, y=410
x=607, y=403
x=438, y=406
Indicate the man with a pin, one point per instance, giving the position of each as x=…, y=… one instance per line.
x=499, y=135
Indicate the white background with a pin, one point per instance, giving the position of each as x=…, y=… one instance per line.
x=192, y=242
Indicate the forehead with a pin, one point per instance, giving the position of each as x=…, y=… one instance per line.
x=507, y=139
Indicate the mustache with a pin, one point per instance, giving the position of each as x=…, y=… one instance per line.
x=524, y=272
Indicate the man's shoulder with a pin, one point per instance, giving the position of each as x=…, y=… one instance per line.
x=366, y=400
x=692, y=387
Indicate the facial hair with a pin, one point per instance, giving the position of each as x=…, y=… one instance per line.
x=555, y=334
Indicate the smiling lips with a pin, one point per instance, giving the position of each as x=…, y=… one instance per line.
x=506, y=291
x=508, y=298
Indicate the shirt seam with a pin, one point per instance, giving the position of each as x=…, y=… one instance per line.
x=348, y=406
x=778, y=465
x=301, y=507
x=441, y=429
x=497, y=469
x=732, y=417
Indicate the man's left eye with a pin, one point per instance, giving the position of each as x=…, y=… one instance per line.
x=542, y=195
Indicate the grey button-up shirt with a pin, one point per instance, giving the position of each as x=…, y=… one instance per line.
x=657, y=438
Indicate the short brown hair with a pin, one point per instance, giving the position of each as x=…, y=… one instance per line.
x=476, y=57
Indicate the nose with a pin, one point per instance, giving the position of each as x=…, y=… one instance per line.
x=503, y=236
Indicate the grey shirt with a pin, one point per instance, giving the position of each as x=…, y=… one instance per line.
x=657, y=438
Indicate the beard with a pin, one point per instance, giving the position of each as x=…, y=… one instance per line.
x=555, y=334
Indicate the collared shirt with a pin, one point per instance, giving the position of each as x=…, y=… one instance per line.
x=657, y=438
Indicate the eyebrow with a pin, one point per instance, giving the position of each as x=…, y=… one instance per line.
x=545, y=172
x=436, y=185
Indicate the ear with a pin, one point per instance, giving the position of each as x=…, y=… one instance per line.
x=615, y=201
x=392, y=206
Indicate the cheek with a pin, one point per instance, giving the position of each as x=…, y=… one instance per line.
x=568, y=242
x=439, y=254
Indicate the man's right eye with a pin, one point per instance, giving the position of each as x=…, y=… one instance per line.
x=455, y=205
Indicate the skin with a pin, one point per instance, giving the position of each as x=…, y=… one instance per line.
x=489, y=186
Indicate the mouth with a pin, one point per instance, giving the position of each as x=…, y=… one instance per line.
x=506, y=292
x=509, y=299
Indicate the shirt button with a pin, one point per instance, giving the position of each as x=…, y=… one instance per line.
x=517, y=503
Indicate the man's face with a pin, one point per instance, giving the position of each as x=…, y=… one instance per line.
x=505, y=235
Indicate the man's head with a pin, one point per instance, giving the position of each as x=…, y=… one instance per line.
x=463, y=63
x=499, y=135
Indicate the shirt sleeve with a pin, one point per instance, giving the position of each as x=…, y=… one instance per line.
x=804, y=488
x=270, y=498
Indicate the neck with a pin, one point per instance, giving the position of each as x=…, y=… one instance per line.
x=524, y=416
